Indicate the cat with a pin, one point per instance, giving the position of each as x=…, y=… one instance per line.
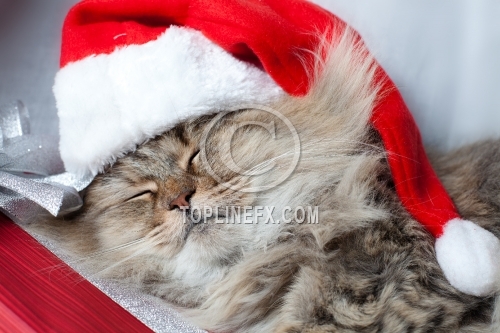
x=165, y=218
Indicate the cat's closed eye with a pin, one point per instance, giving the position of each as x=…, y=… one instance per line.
x=141, y=195
x=144, y=192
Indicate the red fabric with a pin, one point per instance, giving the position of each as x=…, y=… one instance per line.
x=271, y=33
x=39, y=293
x=417, y=185
x=277, y=35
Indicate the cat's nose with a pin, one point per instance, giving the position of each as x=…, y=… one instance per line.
x=182, y=200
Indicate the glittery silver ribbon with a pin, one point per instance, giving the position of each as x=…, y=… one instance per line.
x=32, y=177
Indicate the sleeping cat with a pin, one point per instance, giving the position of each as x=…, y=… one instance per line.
x=331, y=248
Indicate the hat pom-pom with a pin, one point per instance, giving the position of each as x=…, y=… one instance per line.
x=469, y=257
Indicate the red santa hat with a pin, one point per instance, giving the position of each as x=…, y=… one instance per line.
x=130, y=69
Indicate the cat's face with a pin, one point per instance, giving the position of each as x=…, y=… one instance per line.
x=147, y=215
x=176, y=196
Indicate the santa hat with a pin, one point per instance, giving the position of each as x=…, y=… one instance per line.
x=132, y=68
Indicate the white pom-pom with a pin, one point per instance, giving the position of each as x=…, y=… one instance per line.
x=469, y=257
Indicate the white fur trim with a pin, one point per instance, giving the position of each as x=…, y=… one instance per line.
x=107, y=104
x=470, y=257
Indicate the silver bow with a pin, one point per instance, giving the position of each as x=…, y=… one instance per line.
x=32, y=177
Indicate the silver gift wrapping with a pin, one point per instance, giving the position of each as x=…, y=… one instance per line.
x=32, y=178
x=32, y=183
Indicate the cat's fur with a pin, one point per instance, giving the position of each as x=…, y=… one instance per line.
x=366, y=266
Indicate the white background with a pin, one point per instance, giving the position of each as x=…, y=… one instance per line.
x=444, y=56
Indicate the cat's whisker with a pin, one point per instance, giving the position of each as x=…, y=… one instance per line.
x=329, y=142
x=119, y=262
x=243, y=180
x=374, y=148
x=113, y=249
x=265, y=163
x=53, y=267
x=109, y=250
x=76, y=262
x=307, y=154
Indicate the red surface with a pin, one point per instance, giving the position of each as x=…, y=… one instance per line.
x=39, y=293
x=279, y=36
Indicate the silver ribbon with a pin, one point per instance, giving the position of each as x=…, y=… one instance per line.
x=32, y=177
